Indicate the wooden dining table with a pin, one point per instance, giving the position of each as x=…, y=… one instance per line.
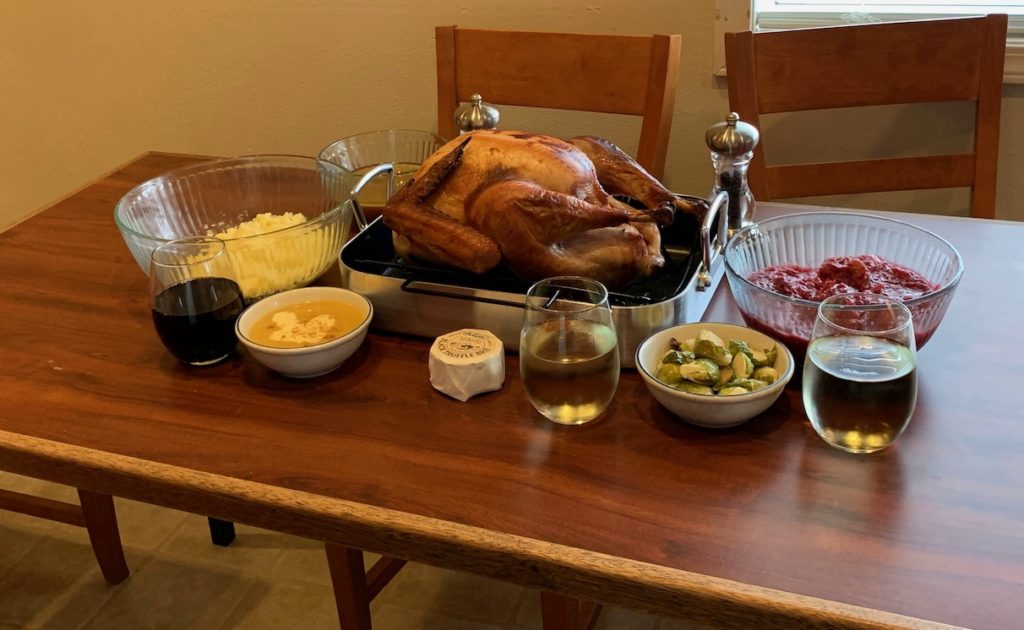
x=763, y=525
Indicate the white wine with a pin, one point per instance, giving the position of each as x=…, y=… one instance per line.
x=859, y=391
x=570, y=368
x=375, y=194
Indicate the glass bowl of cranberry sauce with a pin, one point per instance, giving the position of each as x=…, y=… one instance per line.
x=780, y=269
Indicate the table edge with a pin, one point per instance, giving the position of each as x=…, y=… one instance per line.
x=548, y=566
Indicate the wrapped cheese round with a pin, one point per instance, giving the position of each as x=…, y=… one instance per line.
x=467, y=362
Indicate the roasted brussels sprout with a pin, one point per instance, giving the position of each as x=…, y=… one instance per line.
x=668, y=373
x=732, y=391
x=749, y=384
x=767, y=374
x=678, y=357
x=742, y=366
x=708, y=365
x=765, y=358
x=736, y=346
x=694, y=388
x=703, y=371
x=724, y=375
x=710, y=346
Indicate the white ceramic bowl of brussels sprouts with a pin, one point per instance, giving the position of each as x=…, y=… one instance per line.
x=733, y=403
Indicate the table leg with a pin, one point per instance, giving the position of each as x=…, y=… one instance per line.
x=101, y=523
x=565, y=613
x=222, y=533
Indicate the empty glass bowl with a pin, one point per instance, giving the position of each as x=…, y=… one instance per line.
x=207, y=199
x=404, y=148
x=807, y=239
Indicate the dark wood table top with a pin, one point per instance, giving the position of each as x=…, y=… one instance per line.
x=762, y=522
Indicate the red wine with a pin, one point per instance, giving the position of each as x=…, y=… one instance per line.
x=196, y=319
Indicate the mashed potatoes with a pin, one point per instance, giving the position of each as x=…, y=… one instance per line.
x=276, y=262
x=263, y=223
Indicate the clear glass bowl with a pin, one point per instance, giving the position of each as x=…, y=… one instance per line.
x=405, y=148
x=365, y=150
x=807, y=239
x=205, y=199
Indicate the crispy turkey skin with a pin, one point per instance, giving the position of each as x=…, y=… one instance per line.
x=541, y=204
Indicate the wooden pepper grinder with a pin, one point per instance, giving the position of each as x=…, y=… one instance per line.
x=476, y=115
x=732, y=146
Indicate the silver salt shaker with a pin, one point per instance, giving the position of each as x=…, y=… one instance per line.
x=476, y=115
x=732, y=146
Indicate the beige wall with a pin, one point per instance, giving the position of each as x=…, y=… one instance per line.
x=87, y=86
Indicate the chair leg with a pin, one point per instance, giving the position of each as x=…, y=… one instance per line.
x=101, y=523
x=565, y=613
x=348, y=575
x=381, y=573
x=222, y=533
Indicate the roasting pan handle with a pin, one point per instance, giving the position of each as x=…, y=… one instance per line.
x=426, y=288
x=360, y=216
x=715, y=211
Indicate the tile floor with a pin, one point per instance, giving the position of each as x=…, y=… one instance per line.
x=49, y=579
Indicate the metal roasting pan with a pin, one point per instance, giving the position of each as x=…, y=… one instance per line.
x=416, y=298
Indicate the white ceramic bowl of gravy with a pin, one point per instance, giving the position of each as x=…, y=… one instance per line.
x=354, y=313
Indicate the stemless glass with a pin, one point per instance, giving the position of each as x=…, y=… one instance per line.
x=195, y=299
x=568, y=351
x=860, y=375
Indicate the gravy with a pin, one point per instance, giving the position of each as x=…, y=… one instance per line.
x=305, y=324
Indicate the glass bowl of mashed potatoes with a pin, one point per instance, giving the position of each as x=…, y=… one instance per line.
x=781, y=269
x=305, y=332
x=283, y=218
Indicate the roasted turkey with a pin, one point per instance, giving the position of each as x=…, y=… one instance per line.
x=541, y=204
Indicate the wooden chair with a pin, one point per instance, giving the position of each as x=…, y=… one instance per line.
x=874, y=64
x=617, y=74
x=95, y=513
x=354, y=587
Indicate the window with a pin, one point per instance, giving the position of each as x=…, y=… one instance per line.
x=770, y=15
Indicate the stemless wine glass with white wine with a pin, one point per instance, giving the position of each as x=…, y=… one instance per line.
x=860, y=374
x=568, y=351
x=195, y=299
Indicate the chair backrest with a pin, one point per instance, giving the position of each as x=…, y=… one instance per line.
x=874, y=64
x=617, y=74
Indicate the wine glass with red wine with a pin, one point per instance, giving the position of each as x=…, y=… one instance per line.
x=195, y=299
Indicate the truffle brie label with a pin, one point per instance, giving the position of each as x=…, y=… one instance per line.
x=467, y=344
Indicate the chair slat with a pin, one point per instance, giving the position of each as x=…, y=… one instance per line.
x=836, y=178
x=556, y=70
x=42, y=508
x=618, y=74
x=913, y=62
